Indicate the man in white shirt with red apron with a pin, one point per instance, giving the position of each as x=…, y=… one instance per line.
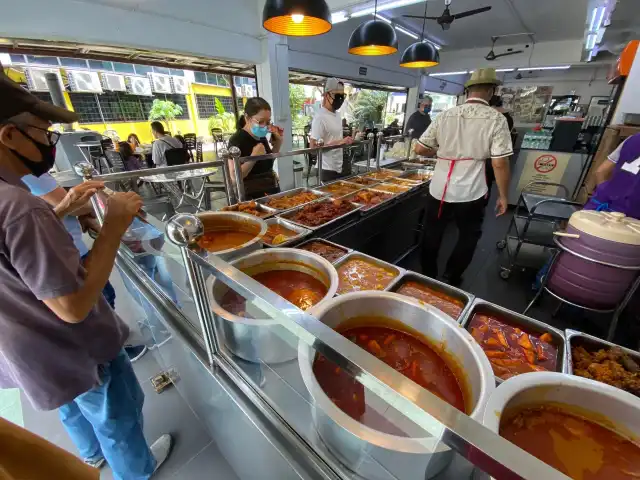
x=462, y=138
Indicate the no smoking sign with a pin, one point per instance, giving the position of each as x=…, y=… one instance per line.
x=545, y=163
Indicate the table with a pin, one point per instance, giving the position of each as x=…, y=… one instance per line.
x=169, y=180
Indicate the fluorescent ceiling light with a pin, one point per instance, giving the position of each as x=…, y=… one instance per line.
x=591, y=41
x=590, y=56
x=600, y=18
x=438, y=47
x=383, y=7
x=384, y=19
x=563, y=67
x=505, y=69
x=339, y=17
x=594, y=15
x=444, y=74
x=362, y=13
x=406, y=32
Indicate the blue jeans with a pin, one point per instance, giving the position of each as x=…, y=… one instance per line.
x=107, y=421
x=156, y=268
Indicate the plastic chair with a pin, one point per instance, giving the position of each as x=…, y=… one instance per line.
x=190, y=143
x=218, y=136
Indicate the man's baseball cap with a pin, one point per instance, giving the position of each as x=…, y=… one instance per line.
x=15, y=100
x=333, y=84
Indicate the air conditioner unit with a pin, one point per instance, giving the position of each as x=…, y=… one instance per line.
x=160, y=83
x=138, y=85
x=36, y=81
x=84, y=81
x=180, y=85
x=238, y=90
x=113, y=82
x=247, y=90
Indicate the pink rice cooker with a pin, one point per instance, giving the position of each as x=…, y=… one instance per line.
x=597, y=236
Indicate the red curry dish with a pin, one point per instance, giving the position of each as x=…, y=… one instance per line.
x=317, y=214
x=407, y=354
x=299, y=288
x=579, y=448
x=511, y=350
x=358, y=274
x=449, y=305
x=326, y=251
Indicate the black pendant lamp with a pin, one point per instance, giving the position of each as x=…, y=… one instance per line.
x=374, y=37
x=296, y=18
x=421, y=54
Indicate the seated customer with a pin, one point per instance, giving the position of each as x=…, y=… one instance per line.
x=250, y=138
x=163, y=142
x=131, y=161
x=134, y=141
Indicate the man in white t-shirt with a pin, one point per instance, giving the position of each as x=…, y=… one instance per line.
x=327, y=126
x=462, y=138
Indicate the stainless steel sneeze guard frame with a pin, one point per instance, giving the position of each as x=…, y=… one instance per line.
x=301, y=232
x=494, y=455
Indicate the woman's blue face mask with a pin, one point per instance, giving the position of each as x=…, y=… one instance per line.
x=426, y=109
x=259, y=131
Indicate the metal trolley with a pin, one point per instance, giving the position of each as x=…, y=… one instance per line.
x=534, y=221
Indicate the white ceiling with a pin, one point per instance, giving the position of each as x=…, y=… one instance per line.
x=549, y=20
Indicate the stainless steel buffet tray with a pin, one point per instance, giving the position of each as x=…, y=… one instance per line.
x=344, y=182
x=300, y=231
x=289, y=213
x=527, y=324
x=420, y=171
x=322, y=240
x=466, y=298
x=576, y=338
x=264, y=200
x=389, y=266
x=366, y=209
x=269, y=212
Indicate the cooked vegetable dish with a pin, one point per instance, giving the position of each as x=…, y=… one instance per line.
x=357, y=274
x=289, y=201
x=387, y=187
x=402, y=182
x=299, y=288
x=339, y=189
x=369, y=198
x=218, y=240
x=320, y=213
x=362, y=180
x=608, y=365
x=407, y=354
x=326, y=251
x=382, y=174
x=511, y=350
x=441, y=301
x=277, y=234
x=579, y=448
x=423, y=177
x=248, y=207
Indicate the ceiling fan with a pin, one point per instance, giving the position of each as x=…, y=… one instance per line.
x=446, y=19
x=492, y=55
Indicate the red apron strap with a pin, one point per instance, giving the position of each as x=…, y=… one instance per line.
x=446, y=185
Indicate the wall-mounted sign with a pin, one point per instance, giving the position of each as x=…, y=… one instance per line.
x=363, y=71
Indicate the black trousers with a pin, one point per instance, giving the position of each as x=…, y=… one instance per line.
x=330, y=175
x=468, y=217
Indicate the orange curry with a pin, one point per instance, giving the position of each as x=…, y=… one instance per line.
x=218, y=240
x=441, y=301
x=357, y=274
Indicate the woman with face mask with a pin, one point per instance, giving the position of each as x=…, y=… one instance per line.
x=250, y=138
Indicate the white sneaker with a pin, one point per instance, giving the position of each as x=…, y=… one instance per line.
x=161, y=449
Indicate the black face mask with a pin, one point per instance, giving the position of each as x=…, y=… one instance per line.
x=47, y=153
x=338, y=100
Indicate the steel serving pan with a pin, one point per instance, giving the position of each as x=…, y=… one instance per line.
x=576, y=338
x=458, y=294
x=414, y=454
x=300, y=232
x=527, y=324
x=389, y=266
x=322, y=240
x=420, y=171
x=369, y=209
x=289, y=214
x=263, y=339
x=264, y=200
x=268, y=211
x=343, y=182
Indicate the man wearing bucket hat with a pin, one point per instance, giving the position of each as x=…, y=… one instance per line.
x=60, y=342
x=461, y=138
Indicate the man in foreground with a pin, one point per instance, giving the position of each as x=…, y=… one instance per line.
x=420, y=120
x=327, y=126
x=60, y=342
x=462, y=138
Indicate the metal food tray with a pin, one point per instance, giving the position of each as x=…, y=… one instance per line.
x=421, y=171
x=412, y=184
x=348, y=184
x=375, y=261
x=527, y=324
x=260, y=207
x=362, y=184
x=394, y=173
x=287, y=214
x=294, y=191
x=333, y=244
x=465, y=297
x=396, y=195
x=590, y=343
x=364, y=211
x=301, y=232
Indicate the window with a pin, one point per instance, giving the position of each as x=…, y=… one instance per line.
x=200, y=77
x=213, y=79
x=17, y=58
x=40, y=60
x=100, y=65
x=177, y=72
x=143, y=69
x=221, y=80
x=43, y=96
x=132, y=108
x=207, y=105
x=162, y=70
x=86, y=106
x=178, y=100
x=123, y=67
x=73, y=62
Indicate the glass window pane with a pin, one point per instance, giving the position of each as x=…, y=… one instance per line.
x=224, y=80
x=177, y=72
x=200, y=77
x=143, y=69
x=100, y=65
x=162, y=70
x=86, y=106
x=123, y=67
x=17, y=58
x=41, y=60
x=73, y=62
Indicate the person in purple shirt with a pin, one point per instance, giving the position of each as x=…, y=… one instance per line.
x=60, y=341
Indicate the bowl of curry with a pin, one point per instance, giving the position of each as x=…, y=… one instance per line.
x=582, y=428
x=419, y=342
x=231, y=234
x=300, y=277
